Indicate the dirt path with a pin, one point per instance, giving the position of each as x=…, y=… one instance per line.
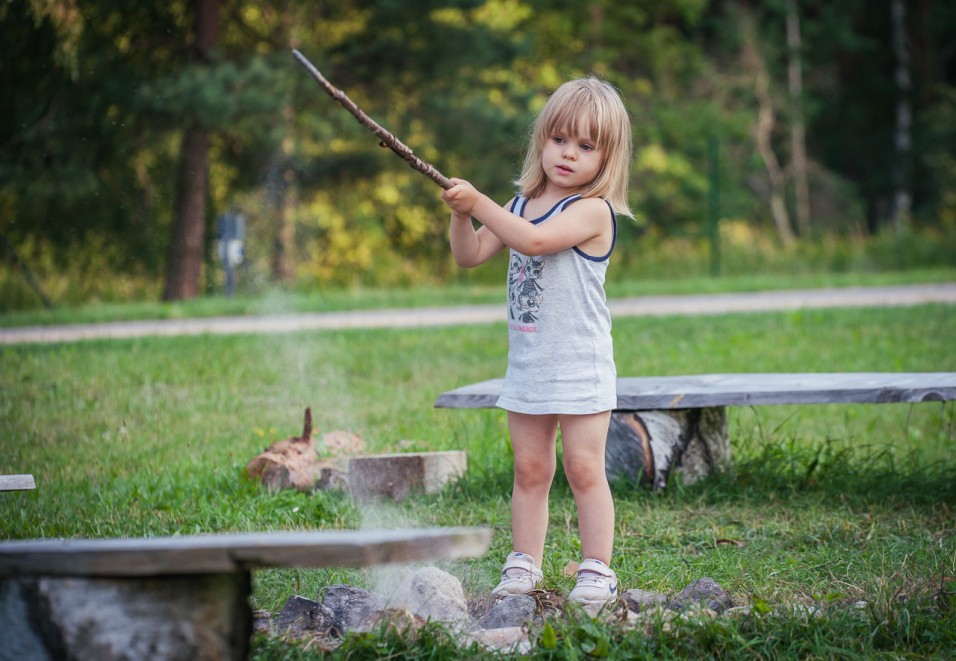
x=901, y=295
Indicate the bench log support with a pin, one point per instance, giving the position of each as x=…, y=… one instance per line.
x=649, y=446
x=168, y=617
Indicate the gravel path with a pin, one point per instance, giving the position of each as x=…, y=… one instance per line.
x=652, y=306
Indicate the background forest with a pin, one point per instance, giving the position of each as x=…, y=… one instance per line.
x=823, y=129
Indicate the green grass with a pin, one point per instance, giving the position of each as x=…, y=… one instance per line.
x=827, y=505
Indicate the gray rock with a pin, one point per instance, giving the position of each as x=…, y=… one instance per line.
x=300, y=616
x=433, y=594
x=352, y=608
x=703, y=593
x=512, y=611
x=640, y=600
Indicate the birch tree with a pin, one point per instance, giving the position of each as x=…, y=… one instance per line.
x=798, y=142
x=902, y=138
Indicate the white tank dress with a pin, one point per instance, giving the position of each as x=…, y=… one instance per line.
x=560, y=352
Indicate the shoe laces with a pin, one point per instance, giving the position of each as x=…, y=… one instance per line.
x=593, y=579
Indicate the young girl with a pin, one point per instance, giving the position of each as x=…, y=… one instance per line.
x=560, y=229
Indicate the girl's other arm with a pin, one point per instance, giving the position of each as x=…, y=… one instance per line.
x=471, y=247
x=582, y=223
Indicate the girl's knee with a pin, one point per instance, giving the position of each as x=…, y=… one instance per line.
x=584, y=472
x=534, y=471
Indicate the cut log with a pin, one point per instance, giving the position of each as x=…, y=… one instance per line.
x=295, y=462
x=647, y=446
x=396, y=476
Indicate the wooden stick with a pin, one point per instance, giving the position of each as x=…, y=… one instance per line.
x=388, y=140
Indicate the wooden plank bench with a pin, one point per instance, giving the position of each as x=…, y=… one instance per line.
x=17, y=482
x=680, y=422
x=177, y=597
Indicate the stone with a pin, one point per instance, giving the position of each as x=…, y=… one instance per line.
x=702, y=593
x=640, y=600
x=433, y=594
x=510, y=640
x=352, y=608
x=511, y=611
x=301, y=616
x=395, y=476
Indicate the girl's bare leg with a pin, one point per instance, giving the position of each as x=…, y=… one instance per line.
x=583, y=438
x=533, y=442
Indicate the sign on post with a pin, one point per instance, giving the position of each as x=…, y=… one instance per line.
x=230, y=235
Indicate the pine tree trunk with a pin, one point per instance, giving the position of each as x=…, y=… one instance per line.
x=184, y=265
x=187, y=247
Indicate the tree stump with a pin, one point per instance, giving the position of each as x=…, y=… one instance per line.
x=295, y=462
x=647, y=446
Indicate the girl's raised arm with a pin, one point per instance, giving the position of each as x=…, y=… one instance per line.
x=579, y=224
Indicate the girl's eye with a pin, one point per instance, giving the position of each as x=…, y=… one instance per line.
x=558, y=139
x=586, y=147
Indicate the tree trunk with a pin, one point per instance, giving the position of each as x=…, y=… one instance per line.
x=902, y=196
x=797, y=127
x=752, y=61
x=187, y=247
x=184, y=264
x=282, y=196
x=763, y=132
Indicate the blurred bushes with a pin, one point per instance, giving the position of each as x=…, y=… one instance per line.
x=98, y=272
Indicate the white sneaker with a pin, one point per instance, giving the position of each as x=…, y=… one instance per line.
x=597, y=584
x=518, y=576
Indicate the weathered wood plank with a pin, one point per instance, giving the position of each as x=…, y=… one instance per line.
x=230, y=553
x=700, y=391
x=17, y=482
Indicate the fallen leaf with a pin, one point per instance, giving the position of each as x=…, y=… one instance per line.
x=730, y=542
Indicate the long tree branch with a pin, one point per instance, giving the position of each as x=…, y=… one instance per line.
x=388, y=140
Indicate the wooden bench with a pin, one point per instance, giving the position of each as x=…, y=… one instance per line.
x=17, y=482
x=176, y=597
x=680, y=422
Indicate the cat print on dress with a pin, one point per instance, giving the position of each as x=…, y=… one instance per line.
x=525, y=293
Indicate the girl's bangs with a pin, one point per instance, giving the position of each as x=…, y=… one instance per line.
x=578, y=115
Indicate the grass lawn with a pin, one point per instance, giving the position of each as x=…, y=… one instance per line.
x=831, y=506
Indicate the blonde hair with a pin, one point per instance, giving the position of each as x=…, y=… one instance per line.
x=598, y=103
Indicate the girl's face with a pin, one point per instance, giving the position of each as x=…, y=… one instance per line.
x=571, y=161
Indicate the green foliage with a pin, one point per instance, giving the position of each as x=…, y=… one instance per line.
x=99, y=271
x=91, y=128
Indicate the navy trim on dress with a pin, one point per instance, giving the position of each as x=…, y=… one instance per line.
x=521, y=201
x=613, y=239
